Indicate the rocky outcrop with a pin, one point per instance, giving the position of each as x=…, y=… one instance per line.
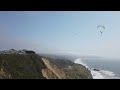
x=4, y=75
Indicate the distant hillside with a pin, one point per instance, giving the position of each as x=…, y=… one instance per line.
x=68, y=56
x=13, y=51
x=33, y=66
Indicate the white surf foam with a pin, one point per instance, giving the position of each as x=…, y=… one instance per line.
x=102, y=74
x=79, y=61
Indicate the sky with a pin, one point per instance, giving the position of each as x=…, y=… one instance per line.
x=62, y=31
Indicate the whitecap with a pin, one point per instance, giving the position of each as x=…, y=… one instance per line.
x=102, y=74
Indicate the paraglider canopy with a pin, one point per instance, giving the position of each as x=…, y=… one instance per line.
x=101, y=28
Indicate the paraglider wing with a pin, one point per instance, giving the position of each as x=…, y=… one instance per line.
x=101, y=28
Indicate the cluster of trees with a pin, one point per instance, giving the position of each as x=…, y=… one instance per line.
x=30, y=52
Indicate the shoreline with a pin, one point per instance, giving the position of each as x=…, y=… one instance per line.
x=97, y=73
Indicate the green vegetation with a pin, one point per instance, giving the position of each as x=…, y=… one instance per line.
x=26, y=66
x=78, y=72
x=30, y=52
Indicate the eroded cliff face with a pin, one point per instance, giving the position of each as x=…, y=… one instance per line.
x=52, y=71
x=71, y=71
x=4, y=75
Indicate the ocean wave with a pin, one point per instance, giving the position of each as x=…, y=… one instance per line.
x=79, y=61
x=100, y=74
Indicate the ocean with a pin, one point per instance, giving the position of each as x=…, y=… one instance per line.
x=101, y=69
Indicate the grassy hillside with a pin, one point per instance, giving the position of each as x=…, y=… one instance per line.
x=21, y=66
x=32, y=66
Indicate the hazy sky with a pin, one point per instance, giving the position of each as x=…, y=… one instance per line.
x=62, y=31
